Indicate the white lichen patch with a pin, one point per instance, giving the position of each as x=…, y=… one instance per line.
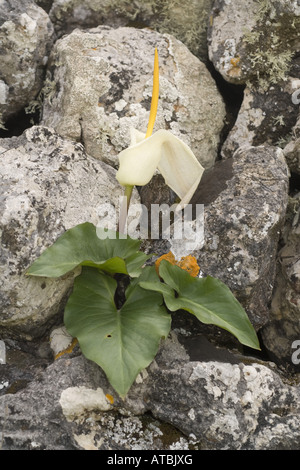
x=29, y=24
x=4, y=384
x=221, y=379
x=77, y=401
x=239, y=390
x=60, y=340
x=86, y=441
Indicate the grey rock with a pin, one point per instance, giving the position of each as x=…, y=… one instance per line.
x=24, y=363
x=48, y=186
x=265, y=117
x=45, y=4
x=210, y=404
x=102, y=86
x=43, y=423
x=292, y=148
x=221, y=403
x=243, y=217
x=283, y=328
x=65, y=408
x=254, y=41
x=189, y=25
x=26, y=35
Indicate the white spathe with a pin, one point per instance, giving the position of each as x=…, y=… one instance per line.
x=167, y=153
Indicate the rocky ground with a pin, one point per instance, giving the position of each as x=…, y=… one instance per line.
x=75, y=77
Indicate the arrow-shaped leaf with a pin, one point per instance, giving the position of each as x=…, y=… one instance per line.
x=80, y=246
x=207, y=298
x=122, y=342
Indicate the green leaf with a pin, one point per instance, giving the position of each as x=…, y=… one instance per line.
x=122, y=342
x=210, y=300
x=135, y=262
x=148, y=274
x=81, y=246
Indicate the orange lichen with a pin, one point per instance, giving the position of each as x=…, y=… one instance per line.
x=110, y=398
x=69, y=349
x=235, y=71
x=188, y=263
x=235, y=61
x=168, y=257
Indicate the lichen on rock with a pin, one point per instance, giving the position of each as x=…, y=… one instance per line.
x=103, y=82
x=27, y=36
x=49, y=185
x=262, y=34
x=230, y=89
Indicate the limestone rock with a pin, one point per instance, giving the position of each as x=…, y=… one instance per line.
x=242, y=228
x=66, y=408
x=60, y=340
x=265, y=117
x=221, y=402
x=210, y=403
x=48, y=186
x=102, y=81
x=26, y=35
x=292, y=149
x=283, y=329
x=44, y=423
x=189, y=25
x=245, y=200
x=254, y=41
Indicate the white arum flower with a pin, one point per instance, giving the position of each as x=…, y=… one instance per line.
x=167, y=153
x=161, y=151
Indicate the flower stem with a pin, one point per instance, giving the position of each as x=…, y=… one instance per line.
x=153, y=111
x=154, y=99
x=124, y=208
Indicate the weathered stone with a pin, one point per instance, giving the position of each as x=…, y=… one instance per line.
x=265, y=117
x=283, y=327
x=243, y=216
x=26, y=36
x=99, y=84
x=222, y=402
x=43, y=422
x=189, y=25
x=24, y=362
x=48, y=186
x=60, y=340
x=292, y=149
x=56, y=421
x=255, y=40
x=102, y=81
x=211, y=404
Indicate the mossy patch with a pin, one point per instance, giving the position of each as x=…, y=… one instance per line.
x=269, y=46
